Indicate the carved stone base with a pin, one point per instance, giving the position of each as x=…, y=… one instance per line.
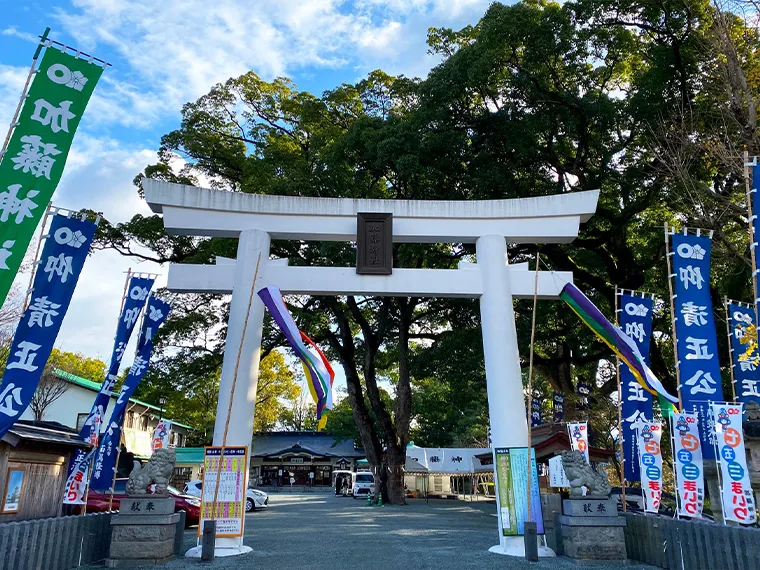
x=143, y=532
x=592, y=530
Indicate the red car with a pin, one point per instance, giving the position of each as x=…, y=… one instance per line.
x=97, y=502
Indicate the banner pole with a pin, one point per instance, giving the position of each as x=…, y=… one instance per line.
x=121, y=436
x=113, y=480
x=730, y=349
x=530, y=382
x=87, y=487
x=32, y=71
x=37, y=253
x=124, y=293
x=717, y=469
x=215, y=504
x=673, y=316
x=750, y=228
x=669, y=421
x=620, y=414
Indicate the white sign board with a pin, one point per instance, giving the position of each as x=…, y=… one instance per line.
x=557, y=477
x=229, y=508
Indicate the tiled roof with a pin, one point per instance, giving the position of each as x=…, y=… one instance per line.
x=317, y=443
x=188, y=455
x=95, y=386
x=44, y=432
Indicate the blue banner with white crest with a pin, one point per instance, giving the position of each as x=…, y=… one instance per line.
x=535, y=413
x=558, y=408
x=584, y=395
x=636, y=323
x=61, y=262
x=138, y=289
x=104, y=468
x=744, y=356
x=697, y=343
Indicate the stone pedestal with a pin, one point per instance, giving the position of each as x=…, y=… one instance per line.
x=592, y=529
x=143, y=532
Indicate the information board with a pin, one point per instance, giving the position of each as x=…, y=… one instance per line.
x=229, y=509
x=512, y=483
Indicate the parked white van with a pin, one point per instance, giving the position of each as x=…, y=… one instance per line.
x=364, y=484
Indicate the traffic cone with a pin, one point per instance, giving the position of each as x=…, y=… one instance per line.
x=369, y=499
x=379, y=499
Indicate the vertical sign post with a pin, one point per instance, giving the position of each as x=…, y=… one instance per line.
x=227, y=504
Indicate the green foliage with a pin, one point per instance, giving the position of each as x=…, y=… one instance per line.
x=341, y=423
x=72, y=362
x=192, y=391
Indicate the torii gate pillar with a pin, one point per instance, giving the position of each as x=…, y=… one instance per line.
x=244, y=331
x=506, y=404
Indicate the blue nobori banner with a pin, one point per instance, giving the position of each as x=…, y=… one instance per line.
x=63, y=256
x=697, y=344
x=535, y=413
x=137, y=292
x=584, y=395
x=156, y=312
x=558, y=413
x=636, y=323
x=744, y=356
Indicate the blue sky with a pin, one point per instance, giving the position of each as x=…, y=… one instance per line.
x=165, y=53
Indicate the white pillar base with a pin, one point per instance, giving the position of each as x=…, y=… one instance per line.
x=195, y=551
x=515, y=546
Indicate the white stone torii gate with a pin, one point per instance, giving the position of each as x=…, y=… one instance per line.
x=255, y=219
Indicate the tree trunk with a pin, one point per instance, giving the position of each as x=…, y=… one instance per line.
x=395, y=457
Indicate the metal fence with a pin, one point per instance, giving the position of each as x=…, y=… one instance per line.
x=676, y=544
x=59, y=543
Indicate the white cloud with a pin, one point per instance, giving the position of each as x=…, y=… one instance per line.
x=11, y=83
x=177, y=49
x=99, y=176
x=169, y=52
x=11, y=31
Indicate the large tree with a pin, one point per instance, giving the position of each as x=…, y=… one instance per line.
x=537, y=98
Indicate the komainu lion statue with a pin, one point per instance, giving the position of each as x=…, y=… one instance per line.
x=580, y=474
x=157, y=470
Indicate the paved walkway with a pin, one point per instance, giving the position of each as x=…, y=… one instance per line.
x=299, y=532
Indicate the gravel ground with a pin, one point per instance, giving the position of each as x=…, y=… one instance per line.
x=324, y=531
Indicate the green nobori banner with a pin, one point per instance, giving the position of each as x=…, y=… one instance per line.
x=33, y=162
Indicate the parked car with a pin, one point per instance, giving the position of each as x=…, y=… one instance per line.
x=341, y=482
x=364, y=484
x=97, y=502
x=255, y=498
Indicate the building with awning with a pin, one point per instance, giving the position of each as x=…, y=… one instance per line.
x=449, y=471
x=33, y=460
x=308, y=457
x=549, y=440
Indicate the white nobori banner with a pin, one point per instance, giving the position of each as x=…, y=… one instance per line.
x=690, y=479
x=579, y=438
x=650, y=459
x=161, y=435
x=737, y=499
